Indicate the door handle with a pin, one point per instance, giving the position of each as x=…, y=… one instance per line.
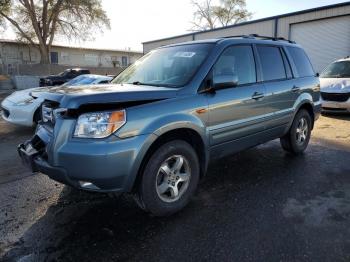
x=257, y=95
x=295, y=89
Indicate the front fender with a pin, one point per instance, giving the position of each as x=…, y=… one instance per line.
x=175, y=121
x=161, y=126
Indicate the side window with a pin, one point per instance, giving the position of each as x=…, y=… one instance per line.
x=238, y=62
x=301, y=61
x=271, y=63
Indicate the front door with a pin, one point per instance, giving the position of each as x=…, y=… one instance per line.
x=236, y=112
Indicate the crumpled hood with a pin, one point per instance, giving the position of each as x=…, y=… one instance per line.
x=22, y=95
x=335, y=85
x=75, y=96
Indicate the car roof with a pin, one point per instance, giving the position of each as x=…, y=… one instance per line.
x=76, y=69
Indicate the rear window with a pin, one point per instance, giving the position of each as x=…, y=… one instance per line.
x=301, y=61
x=271, y=62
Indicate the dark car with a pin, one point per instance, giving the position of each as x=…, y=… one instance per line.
x=61, y=78
x=155, y=128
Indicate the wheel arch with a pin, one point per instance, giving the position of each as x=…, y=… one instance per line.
x=305, y=101
x=308, y=106
x=188, y=134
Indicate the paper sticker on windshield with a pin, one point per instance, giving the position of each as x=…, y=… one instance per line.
x=185, y=54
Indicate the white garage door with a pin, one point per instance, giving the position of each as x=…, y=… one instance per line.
x=323, y=40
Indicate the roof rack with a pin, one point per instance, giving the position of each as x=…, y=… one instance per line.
x=254, y=36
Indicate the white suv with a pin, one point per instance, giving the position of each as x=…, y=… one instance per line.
x=335, y=86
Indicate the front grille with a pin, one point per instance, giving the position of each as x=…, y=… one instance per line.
x=5, y=112
x=336, y=97
x=47, y=113
x=42, y=82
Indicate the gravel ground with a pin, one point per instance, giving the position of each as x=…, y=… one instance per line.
x=259, y=205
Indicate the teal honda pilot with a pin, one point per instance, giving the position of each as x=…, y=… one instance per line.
x=155, y=128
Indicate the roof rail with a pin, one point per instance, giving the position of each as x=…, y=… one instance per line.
x=243, y=36
x=254, y=36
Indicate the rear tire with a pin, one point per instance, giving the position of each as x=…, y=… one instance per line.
x=169, y=179
x=298, y=136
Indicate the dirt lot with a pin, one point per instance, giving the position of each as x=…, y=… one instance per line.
x=259, y=205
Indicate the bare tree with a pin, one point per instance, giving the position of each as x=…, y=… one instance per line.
x=210, y=16
x=204, y=17
x=41, y=21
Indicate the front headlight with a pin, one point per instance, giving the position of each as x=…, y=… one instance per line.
x=25, y=102
x=99, y=124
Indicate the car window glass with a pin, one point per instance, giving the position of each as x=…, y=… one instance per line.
x=238, y=62
x=271, y=63
x=338, y=69
x=301, y=61
x=172, y=66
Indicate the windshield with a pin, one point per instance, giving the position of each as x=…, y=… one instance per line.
x=339, y=69
x=167, y=67
x=64, y=73
x=80, y=80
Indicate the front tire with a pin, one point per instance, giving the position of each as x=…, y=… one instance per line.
x=298, y=136
x=37, y=116
x=169, y=179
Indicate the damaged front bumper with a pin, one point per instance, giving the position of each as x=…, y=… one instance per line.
x=103, y=165
x=35, y=160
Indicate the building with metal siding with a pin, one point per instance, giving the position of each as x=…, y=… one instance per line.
x=324, y=32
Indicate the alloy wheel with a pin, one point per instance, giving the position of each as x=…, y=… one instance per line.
x=173, y=178
x=301, y=131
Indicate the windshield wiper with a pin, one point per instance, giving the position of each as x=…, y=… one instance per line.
x=151, y=84
x=137, y=83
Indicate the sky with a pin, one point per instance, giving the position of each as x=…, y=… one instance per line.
x=137, y=21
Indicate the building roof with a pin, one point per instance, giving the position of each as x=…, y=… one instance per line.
x=12, y=41
x=255, y=21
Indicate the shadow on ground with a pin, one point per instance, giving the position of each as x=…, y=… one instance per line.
x=339, y=116
x=256, y=205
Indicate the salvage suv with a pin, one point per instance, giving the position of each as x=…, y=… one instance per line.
x=154, y=129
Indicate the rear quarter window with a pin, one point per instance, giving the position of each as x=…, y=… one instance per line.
x=301, y=62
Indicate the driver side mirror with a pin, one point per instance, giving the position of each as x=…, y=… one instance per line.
x=225, y=81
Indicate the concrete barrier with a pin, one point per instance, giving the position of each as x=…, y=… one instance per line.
x=24, y=82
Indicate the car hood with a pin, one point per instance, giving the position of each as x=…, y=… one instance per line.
x=75, y=96
x=25, y=94
x=51, y=77
x=335, y=85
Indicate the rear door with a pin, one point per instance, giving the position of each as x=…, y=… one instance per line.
x=238, y=111
x=279, y=84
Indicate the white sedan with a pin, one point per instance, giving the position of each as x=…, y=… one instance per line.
x=335, y=86
x=22, y=109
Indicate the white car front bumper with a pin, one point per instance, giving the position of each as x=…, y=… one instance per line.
x=333, y=106
x=19, y=115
